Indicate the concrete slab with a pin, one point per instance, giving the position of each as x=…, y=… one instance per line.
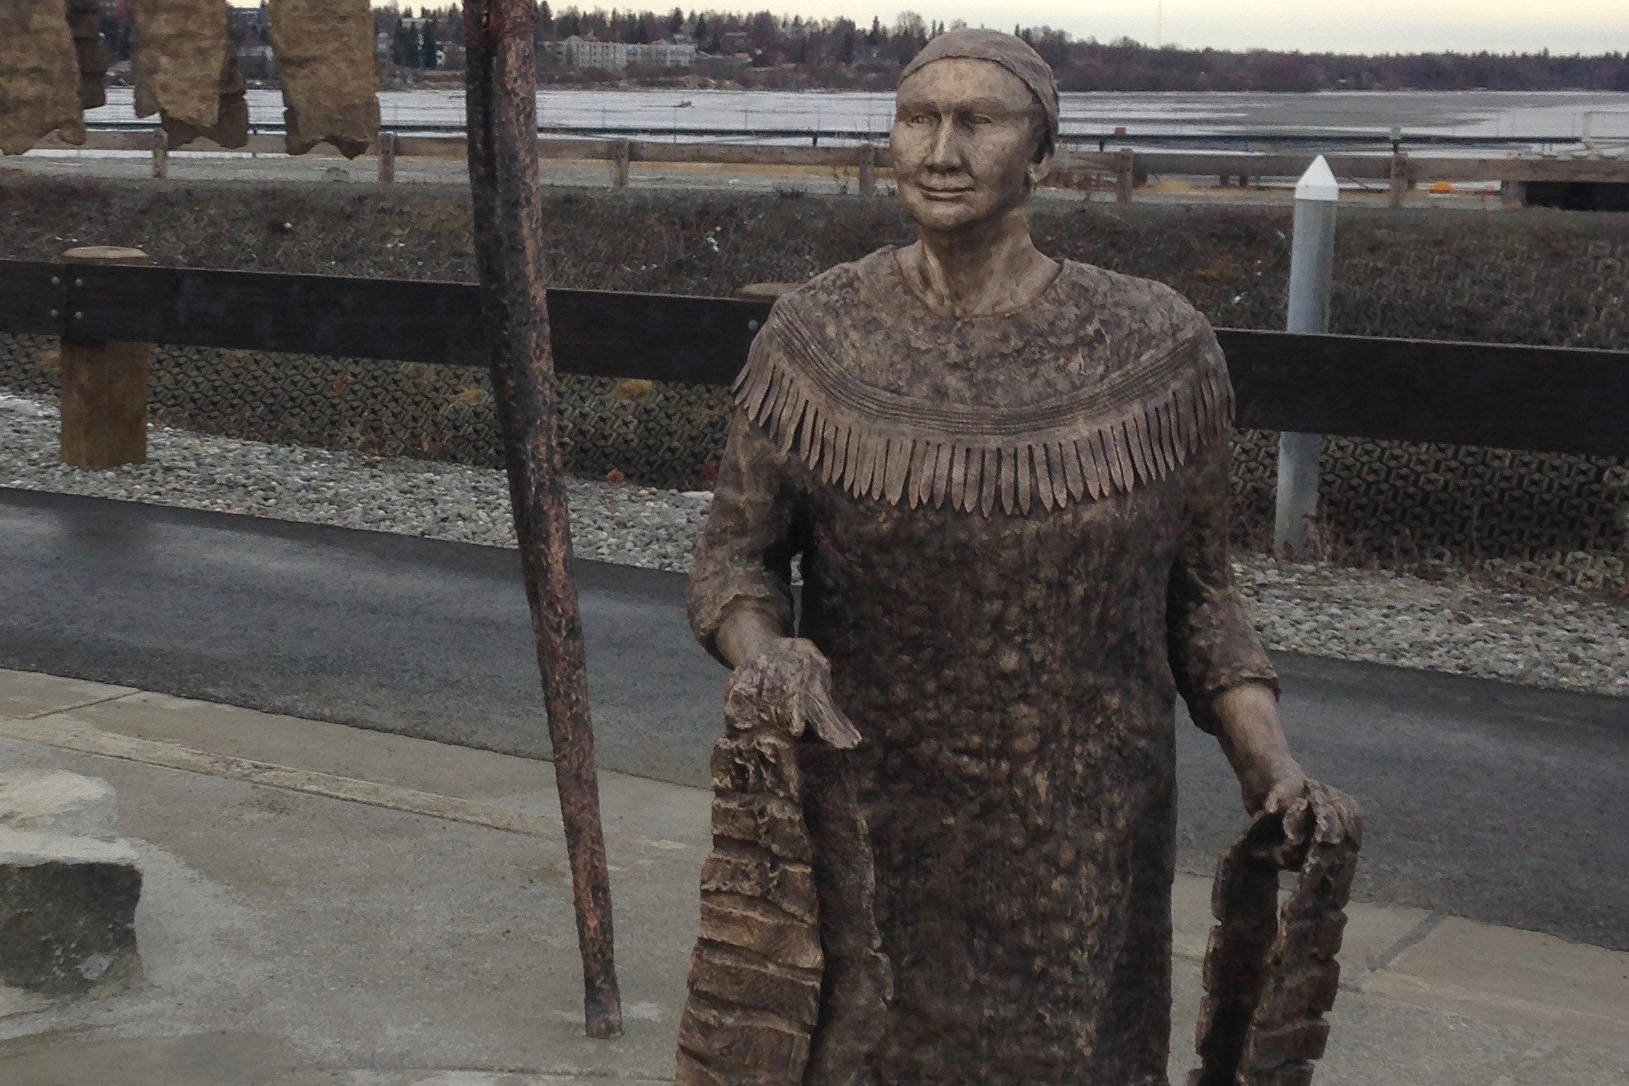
x=52, y=801
x=369, y=937
x=1382, y=1042
x=1373, y=932
x=29, y=693
x=335, y=943
x=310, y=745
x=399, y=761
x=51, y=1059
x=1190, y=916
x=1520, y=978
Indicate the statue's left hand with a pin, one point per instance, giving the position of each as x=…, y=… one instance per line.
x=1287, y=789
x=1304, y=814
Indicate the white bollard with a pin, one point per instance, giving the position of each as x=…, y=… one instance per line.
x=1312, y=264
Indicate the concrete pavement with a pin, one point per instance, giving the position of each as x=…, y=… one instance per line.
x=329, y=905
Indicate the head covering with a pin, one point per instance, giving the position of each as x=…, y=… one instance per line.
x=1012, y=53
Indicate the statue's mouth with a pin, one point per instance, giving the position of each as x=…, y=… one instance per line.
x=943, y=194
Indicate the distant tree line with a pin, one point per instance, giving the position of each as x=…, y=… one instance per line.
x=842, y=52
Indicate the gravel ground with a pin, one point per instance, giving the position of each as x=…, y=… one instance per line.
x=1558, y=639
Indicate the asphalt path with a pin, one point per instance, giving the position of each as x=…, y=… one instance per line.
x=1485, y=800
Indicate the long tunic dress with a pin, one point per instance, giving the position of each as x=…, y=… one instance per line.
x=1012, y=533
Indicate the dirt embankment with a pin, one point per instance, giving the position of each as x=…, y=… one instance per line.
x=1531, y=277
x=1534, y=277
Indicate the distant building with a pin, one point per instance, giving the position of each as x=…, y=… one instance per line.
x=663, y=54
x=580, y=52
x=614, y=56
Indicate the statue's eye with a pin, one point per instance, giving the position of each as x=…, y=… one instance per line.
x=921, y=118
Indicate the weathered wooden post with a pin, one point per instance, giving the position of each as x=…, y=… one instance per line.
x=104, y=385
x=387, y=157
x=1125, y=177
x=161, y=154
x=868, y=170
x=500, y=81
x=1312, y=265
x=621, y=152
x=1399, y=177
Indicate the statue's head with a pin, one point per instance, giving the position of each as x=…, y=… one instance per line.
x=975, y=123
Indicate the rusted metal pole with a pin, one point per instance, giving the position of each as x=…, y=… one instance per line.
x=501, y=104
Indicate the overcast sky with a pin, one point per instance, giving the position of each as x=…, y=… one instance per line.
x=1373, y=26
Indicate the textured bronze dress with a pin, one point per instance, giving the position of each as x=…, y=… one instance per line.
x=1012, y=532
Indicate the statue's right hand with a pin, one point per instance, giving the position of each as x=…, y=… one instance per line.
x=787, y=684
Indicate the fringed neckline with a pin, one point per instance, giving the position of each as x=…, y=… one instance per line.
x=1139, y=425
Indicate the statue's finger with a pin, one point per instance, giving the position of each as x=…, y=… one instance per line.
x=792, y=704
x=831, y=725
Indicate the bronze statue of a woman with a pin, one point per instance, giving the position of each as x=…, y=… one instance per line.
x=1005, y=480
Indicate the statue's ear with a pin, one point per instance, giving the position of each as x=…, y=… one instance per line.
x=1040, y=167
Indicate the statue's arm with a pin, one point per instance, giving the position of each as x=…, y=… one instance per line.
x=740, y=597
x=1252, y=736
x=1220, y=667
x=740, y=589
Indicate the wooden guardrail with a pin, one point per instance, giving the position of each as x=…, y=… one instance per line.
x=1116, y=170
x=1551, y=399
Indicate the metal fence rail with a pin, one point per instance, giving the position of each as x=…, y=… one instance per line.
x=1547, y=399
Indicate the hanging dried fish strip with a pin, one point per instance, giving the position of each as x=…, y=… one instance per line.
x=231, y=127
x=325, y=48
x=788, y=981
x=756, y=970
x=39, y=75
x=1271, y=974
x=176, y=57
x=85, y=23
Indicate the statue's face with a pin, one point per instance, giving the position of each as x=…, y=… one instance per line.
x=964, y=143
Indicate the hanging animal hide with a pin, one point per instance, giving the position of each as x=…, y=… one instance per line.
x=85, y=23
x=39, y=75
x=185, y=71
x=325, y=48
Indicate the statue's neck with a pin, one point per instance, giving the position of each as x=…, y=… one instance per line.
x=987, y=268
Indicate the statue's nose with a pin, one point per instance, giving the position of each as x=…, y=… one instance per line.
x=946, y=150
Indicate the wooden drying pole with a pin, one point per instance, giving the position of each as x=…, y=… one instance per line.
x=501, y=106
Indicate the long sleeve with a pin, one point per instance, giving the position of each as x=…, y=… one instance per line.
x=1212, y=646
x=744, y=555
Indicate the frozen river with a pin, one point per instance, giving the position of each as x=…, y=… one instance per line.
x=1554, y=115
